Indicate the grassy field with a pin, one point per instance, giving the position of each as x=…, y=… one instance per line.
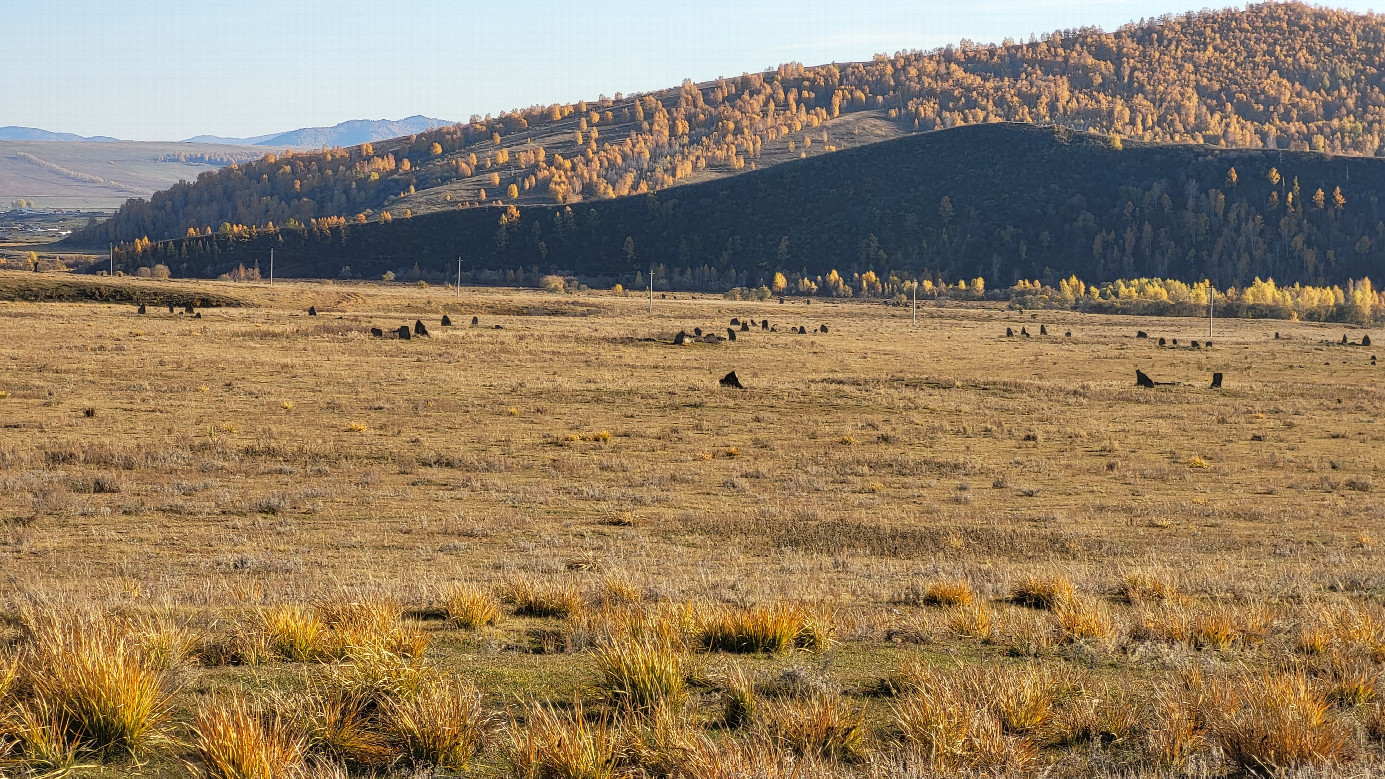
x=550, y=545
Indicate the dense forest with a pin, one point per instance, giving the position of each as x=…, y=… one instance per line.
x=1002, y=201
x=1271, y=76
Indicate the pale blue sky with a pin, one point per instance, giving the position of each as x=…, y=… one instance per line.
x=170, y=69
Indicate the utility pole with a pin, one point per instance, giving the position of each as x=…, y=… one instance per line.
x=111, y=247
x=916, y=303
x=1211, y=306
x=271, y=267
x=459, y=278
x=651, y=289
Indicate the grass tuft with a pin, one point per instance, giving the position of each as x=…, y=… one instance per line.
x=1043, y=592
x=822, y=726
x=948, y=593
x=1274, y=722
x=444, y=725
x=554, y=744
x=469, y=606
x=637, y=675
x=760, y=629
x=530, y=599
x=233, y=740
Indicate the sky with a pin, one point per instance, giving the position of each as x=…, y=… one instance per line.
x=172, y=69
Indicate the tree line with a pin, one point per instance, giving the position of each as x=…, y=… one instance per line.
x=1003, y=202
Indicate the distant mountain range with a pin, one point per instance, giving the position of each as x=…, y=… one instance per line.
x=34, y=134
x=350, y=133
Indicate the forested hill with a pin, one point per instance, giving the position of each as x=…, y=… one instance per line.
x=1282, y=76
x=1003, y=201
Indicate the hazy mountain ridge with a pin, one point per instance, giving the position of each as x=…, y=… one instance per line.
x=351, y=133
x=13, y=133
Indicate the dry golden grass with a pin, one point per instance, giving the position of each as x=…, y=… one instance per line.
x=235, y=741
x=553, y=744
x=1275, y=722
x=470, y=606
x=776, y=628
x=531, y=598
x=273, y=512
x=951, y=593
x=639, y=675
x=445, y=725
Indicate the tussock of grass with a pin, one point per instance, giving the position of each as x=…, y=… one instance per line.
x=336, y=723
x=368, y=625
x=738, y=700
x=1022, y=698
x=1029, y=633
x=638, y=675
x=99, y=686
x=1173, y=730
x=1221, y=626
x=554, y=744
x=531, y=599
x=1147, y=584
x=42, y=739
x=293, y=631
x=945, y=722
x=764, y=629
x=977, y=621
x=731, y=759
x=233, y=740
x=469, y=606
x=1275, y=721
x=948, y=593
x=1084, y=618
x=1104, y=715
x=620, y=589
x=1351, y=680
x=823, y=726
x=659, y=741
x=444, y=725
x=1043, y=592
